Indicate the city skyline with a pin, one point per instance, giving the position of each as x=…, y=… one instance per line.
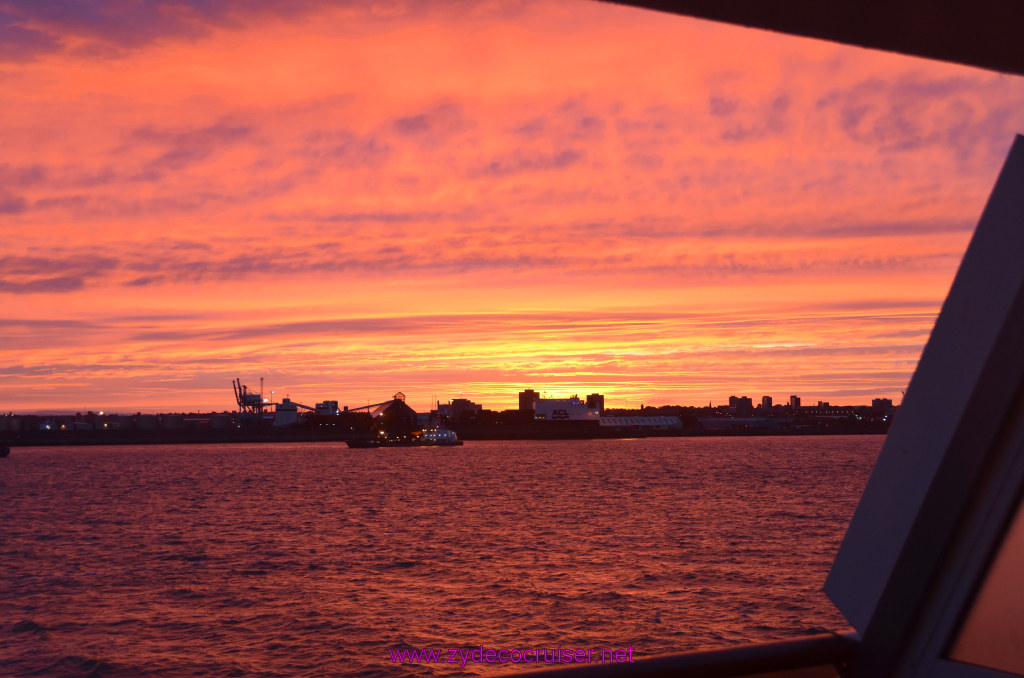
x=274, y=398
x=441, y=199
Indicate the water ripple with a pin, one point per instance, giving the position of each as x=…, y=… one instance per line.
x=313, y=560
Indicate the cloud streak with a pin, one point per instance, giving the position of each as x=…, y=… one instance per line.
x=507, y=194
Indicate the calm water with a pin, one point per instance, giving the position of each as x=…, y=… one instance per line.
x=313, y=559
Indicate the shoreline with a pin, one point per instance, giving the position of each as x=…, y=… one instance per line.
x=112, y=438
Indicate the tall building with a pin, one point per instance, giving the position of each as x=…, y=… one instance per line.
x=882, y=403
x=794, y=402
x=528, y=401
x=766, y=402
x=742, y=406
x=595, y=401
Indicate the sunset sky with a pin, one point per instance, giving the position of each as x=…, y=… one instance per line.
x=354, y=199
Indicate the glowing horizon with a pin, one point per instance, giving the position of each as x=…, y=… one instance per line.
x=475, y=198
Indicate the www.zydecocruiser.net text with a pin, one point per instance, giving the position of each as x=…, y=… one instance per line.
x=461, y=656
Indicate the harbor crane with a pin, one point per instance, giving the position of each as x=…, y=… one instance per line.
x=248, y=400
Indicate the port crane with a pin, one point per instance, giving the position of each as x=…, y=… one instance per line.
x=248, y=400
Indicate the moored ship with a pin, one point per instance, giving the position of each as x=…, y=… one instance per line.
x=434, y=436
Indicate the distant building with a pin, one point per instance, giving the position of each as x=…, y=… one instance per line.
x=766, y=402
x=394, y=417
x=595, y=401
x=882, y=403
x=286, y=413
x=172, y=421
x=528, y=401
x=565, y=409
x=642, y=423
x=823, y=405
x=723, y=424
x=741, y=406
x=146, y=422
x=794, y=402
x=327, y=407
x=458, y=409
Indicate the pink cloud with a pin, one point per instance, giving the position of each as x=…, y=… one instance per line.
x=524, y=173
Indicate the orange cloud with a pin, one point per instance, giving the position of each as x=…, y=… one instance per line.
x=573, y=197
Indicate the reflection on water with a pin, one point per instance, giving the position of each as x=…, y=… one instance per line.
x=313, y=560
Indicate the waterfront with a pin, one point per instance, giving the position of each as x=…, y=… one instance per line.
x=314, y=559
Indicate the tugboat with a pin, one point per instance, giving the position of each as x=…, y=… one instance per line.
x=434, y=436
x=439, y=436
